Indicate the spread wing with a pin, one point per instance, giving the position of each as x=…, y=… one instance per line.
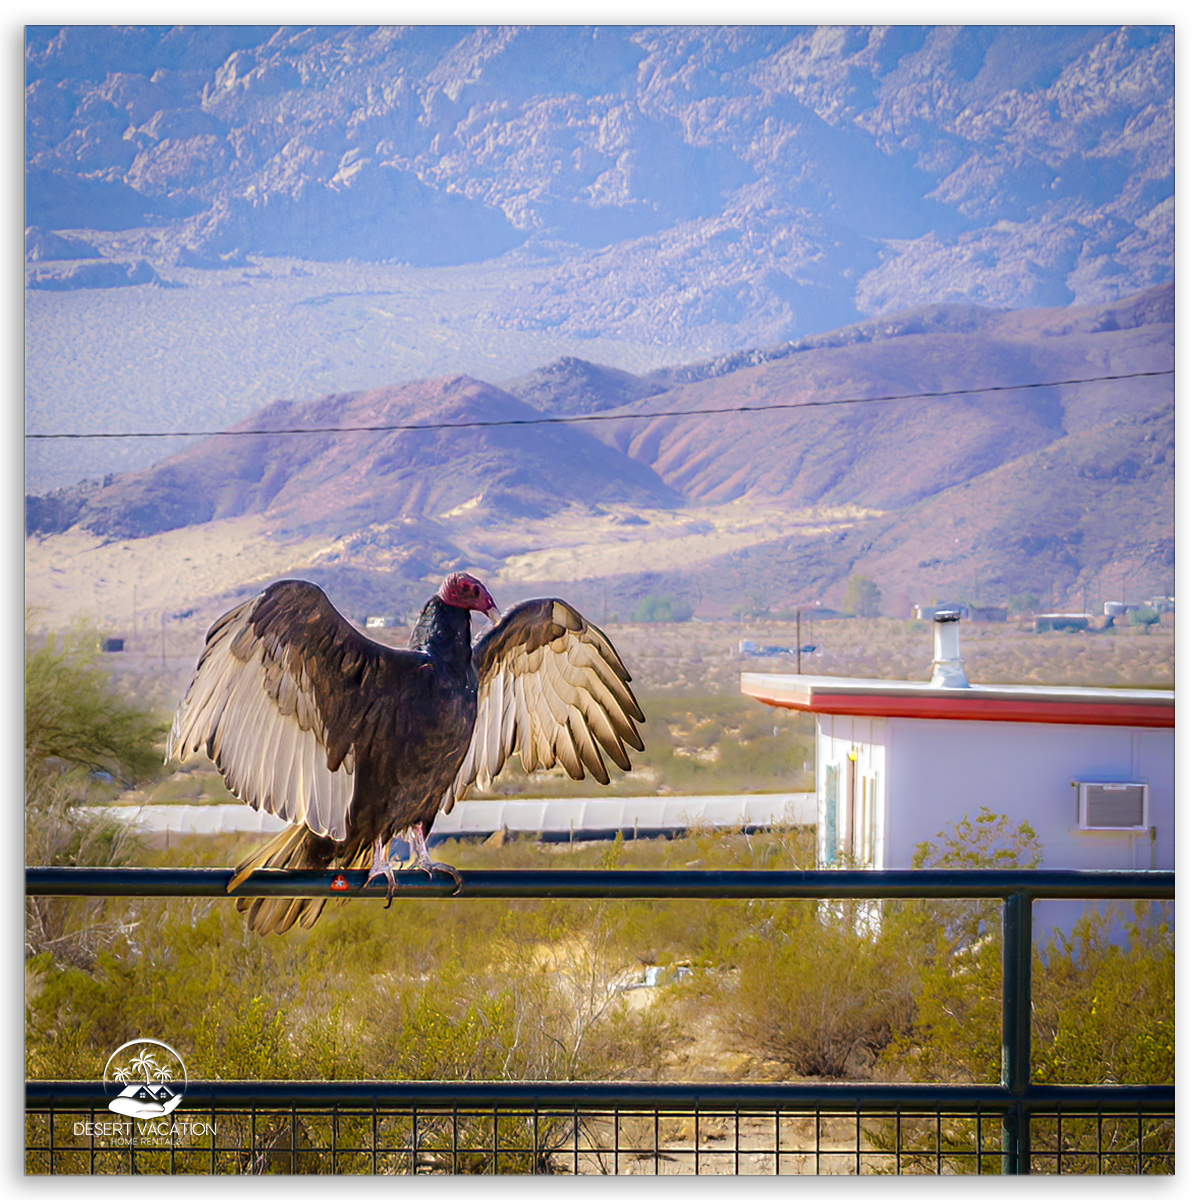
x=553, y=688
x=280, y=693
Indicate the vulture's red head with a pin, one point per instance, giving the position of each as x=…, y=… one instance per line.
x=465, y=591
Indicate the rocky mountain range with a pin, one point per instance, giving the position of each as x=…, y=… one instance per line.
x=817, y=475
x=756, y=183
x=648, y=228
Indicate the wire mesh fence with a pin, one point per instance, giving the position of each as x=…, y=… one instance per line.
x=579, y=1139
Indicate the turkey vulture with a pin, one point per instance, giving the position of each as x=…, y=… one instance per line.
x=356, y=743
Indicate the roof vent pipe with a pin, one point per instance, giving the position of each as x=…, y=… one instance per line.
x=947, y=660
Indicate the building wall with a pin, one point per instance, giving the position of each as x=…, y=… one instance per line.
x=937, y=772
x=852, y=758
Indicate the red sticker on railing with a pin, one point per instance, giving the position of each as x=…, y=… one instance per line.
x=339, y=884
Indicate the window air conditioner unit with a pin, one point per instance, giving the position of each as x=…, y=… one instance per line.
x=1112, y=805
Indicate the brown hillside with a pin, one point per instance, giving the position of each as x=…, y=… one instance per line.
x=1065, y=492
x=341, y=483
x=896, y=453
x=1084, y=519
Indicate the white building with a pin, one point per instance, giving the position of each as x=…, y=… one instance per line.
x=1091, y=769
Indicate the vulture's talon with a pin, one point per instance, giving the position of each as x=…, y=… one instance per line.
x=429, y=867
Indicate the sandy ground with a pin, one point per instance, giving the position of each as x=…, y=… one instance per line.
x=161, y=593
x=717, y=1145
x=580, y=546
x=132, y=583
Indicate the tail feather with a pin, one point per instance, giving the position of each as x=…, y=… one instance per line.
x=295, y=849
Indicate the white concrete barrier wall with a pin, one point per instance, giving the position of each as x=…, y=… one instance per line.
x=476, y=818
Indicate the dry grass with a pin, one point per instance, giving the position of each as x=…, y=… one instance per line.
x=701, y=656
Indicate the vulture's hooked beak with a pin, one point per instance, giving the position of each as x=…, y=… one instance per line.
x=493, y=614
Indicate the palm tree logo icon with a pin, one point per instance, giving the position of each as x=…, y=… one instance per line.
x=144, y=1062
x=143, y=1074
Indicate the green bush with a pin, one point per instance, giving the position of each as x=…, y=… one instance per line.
x=863, y=597
x=1145, y=618
x=662, y=608
x=957, y=989
x=987, y=841
x=1087, y=983
x=818, y=989
x=1104, y=1004
x=1103, y=1001
x=73, y=716
x=753, y=608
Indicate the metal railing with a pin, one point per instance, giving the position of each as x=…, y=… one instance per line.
x=416, y=1127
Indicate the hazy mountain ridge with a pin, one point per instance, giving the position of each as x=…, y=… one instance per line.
x=1047, y=490
x=1087, y=517
x=339, y=484
x=1155, y=306
x=761, y=183
x=892, y=454
x=570, y=386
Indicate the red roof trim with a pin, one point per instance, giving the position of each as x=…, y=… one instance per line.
x=960, y=707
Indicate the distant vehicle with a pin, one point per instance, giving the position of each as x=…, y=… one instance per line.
x=1061, y=622
x=745, y=646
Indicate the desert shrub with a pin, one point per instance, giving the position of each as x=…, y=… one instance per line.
x=662, y=608
x=73, y=716
x=955, y=1031
x=1145, y=617
x=454, y=992
x=957, y=986
x=821, y=987
x=818, y=989
x=987, y=841
x=1104, y=1000
x=1103, y=996
x=1103, y=1012
x=60, y=831
x=863, y=596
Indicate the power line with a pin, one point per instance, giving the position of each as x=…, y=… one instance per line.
x=586, y=417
